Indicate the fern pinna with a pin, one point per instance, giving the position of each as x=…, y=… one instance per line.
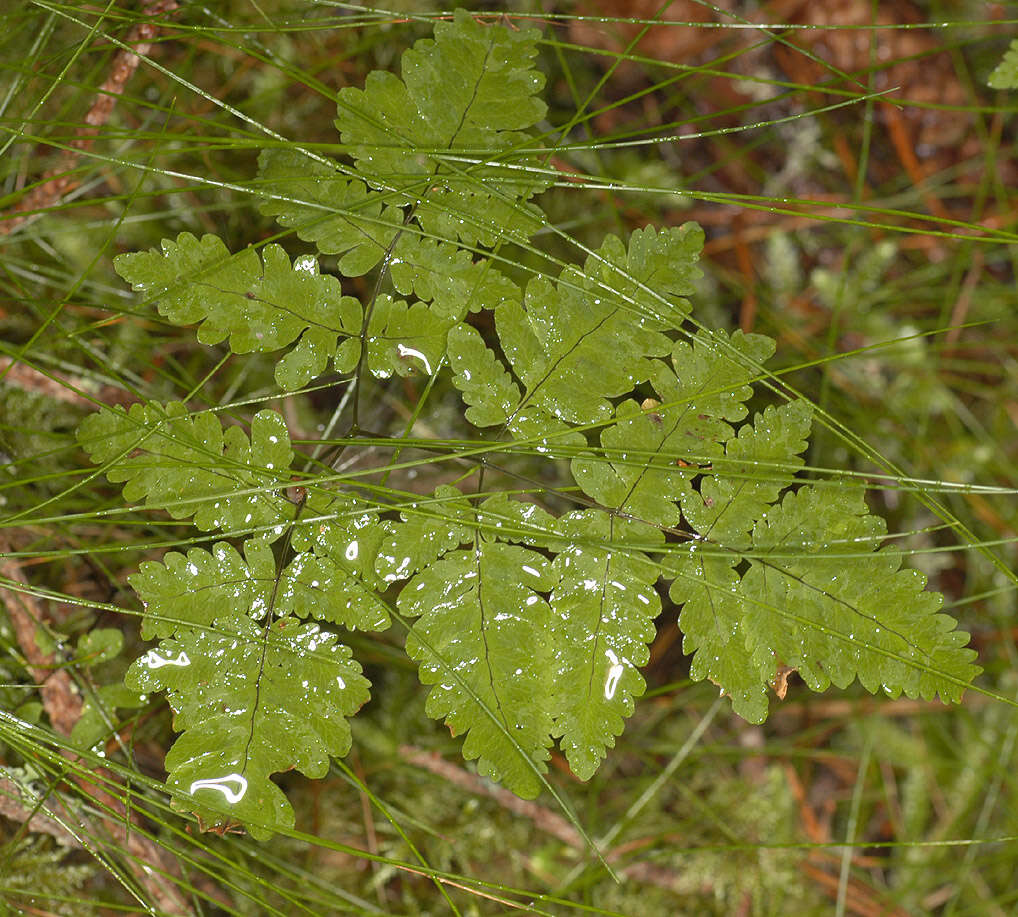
x=528, y=625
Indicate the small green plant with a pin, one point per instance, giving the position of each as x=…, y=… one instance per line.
x=1005, y=74
x=528, y=618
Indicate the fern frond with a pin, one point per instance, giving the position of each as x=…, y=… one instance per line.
x=405, y=339
x=604, y=605
x=188, y=465
x=191, y=590
x=443, y=134
x=760, y=461
x=419, y=539
x=448, y=278
x=1005, y=74
x=486, y=643
x=703, y=390
x=853, y=613
x=573, y=345
x=528, y=626
x=339, y=214
x=333, y=577
x=260, y=304
x=251, y=701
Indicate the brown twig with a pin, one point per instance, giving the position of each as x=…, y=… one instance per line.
x=31, y=380
x=544, y=820
x=904, y=146
x=548, y=822
x=59, y=180
x=747, y=311
x=15, y=806
x=968, y=287
x=59, y=694
x=62, y=702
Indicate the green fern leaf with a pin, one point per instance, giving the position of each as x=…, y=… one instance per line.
x=404, y=340
x=573, y=345
x=190, y=466
x=714, y=604
x=707, y=385
x=519, y=522
x=342, y=216
x=759, y=463
x=339, y=214
x=604, y=605
x=333, y=578
x=1005, y=74
x=409, y=339
x=251, y=700
x=714, y=607
x=492, y=397
x=636, y=471
x=485, y=641
x=421, y=538
x=448, y=278
x=442, y=132
x=653, y=275
x=572, y=353
x=192, y=590
x=852, y=613
x=817, y=599
x=260, y=305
